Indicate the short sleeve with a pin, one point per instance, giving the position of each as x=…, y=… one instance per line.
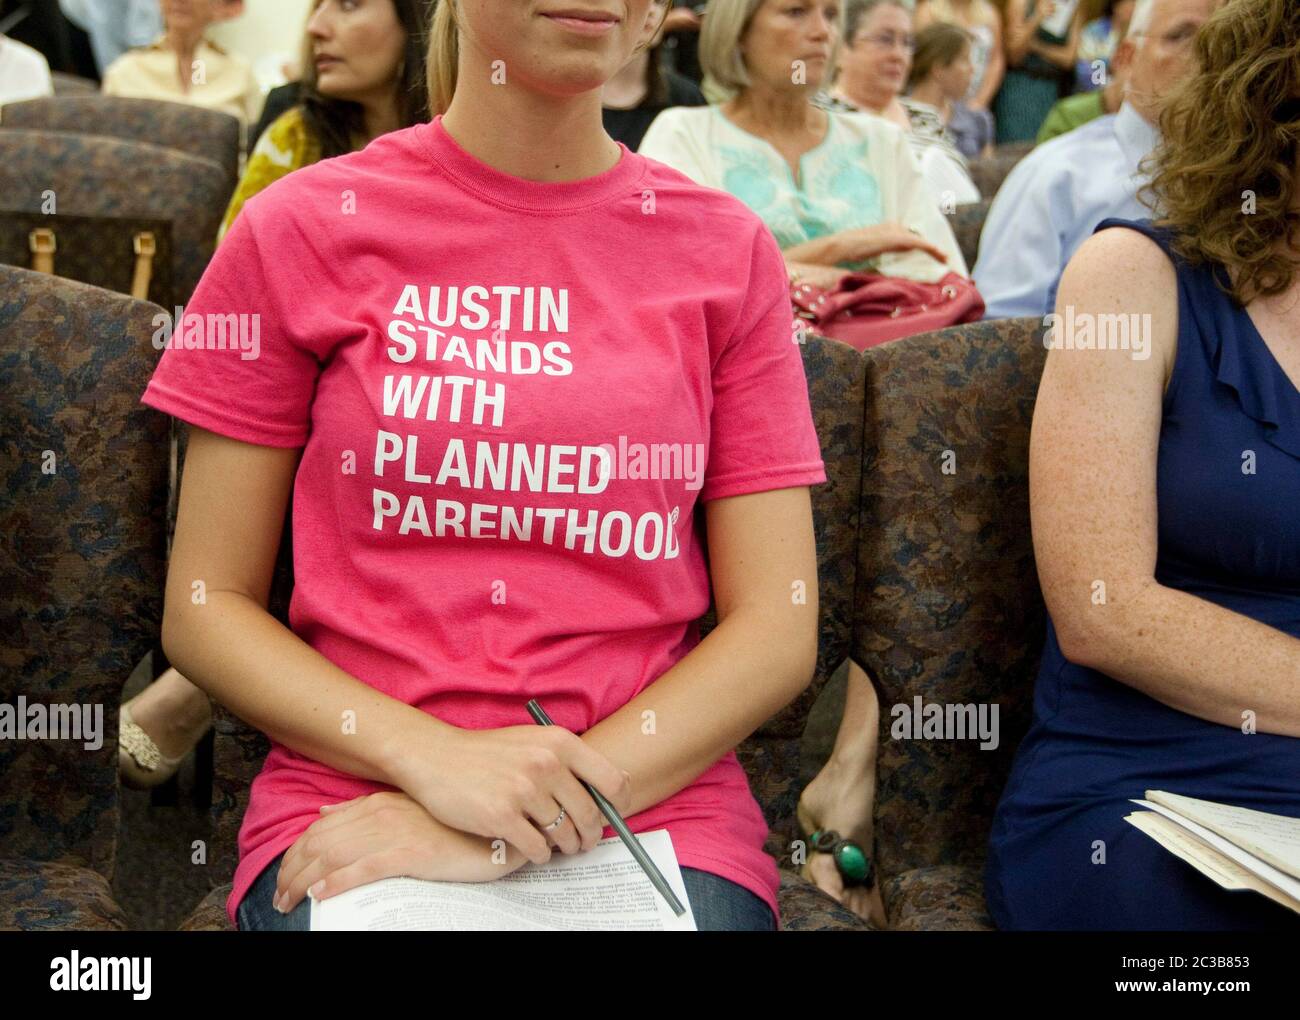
x=230, y=365
x=761, y=429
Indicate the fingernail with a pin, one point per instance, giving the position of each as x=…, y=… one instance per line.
x=276, y=903
x=314, y=891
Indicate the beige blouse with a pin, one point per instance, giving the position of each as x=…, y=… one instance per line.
x=217, y=80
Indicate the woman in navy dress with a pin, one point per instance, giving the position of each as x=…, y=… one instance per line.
x=1165, y=497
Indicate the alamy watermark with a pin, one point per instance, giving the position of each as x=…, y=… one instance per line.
x=36, y=721
x=950, y=721
x=211, y=332
x=1084, y=331
x=77, y=973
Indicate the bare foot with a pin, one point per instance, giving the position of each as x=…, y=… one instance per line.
x=173, y=712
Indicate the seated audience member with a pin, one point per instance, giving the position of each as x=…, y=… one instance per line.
x=1098, y=42
x=941, y=71
x=983, y=24
x=1077, y=110
x=873, y=68
x=1041, y=47
x=364, y=77
x=24, y=72
x=182, y=66
x=643, y=89
x=517, y=184
x=1182, y=674
x=1056, y=196
x=838, y=190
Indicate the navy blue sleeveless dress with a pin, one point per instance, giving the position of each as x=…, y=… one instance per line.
x=1229, y=537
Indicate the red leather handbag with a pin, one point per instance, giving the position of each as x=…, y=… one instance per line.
x=867, y=309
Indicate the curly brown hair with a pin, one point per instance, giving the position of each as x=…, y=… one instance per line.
x=1224, y=177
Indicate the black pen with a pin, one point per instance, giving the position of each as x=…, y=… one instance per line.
x=624, y=833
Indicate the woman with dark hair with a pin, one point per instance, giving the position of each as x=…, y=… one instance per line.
x=1164, y=481
x=983, y=21
x=363, y=76
x=644, y=88
x=364, y=63
x=939, y=82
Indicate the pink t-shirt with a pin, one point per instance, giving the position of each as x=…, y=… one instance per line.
x=512, y=398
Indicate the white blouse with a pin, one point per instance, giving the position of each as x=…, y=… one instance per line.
x=862, y=173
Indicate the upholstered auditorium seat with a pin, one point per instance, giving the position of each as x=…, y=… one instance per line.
x=988, y=172
x=84, y=466
x=948, y=605
x=71, y=85
x=208, y=134
x=967, y=222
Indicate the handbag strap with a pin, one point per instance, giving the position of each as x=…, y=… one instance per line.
x=146, y=247
x=43, y=245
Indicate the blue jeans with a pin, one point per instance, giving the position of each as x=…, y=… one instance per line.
x=718, y=904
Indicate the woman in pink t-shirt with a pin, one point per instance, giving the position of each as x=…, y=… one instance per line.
x=520, y=381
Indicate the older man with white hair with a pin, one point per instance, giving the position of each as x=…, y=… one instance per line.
x=1055, y=197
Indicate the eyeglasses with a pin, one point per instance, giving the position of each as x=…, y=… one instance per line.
x=1178, y=37
x=889, y=42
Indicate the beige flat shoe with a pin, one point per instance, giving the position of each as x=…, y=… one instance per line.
x=140, y=764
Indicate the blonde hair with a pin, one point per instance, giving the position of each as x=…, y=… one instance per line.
x=444, y=53
x=443, y=56
x=724, y=68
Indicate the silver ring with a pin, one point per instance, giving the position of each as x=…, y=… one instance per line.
x=558, y=820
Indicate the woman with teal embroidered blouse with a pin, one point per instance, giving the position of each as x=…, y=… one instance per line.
x=839, y=191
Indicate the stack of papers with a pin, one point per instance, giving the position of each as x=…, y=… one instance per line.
x=602, y=889
x=1236, y=847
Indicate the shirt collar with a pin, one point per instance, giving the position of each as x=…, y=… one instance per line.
x=160, y=43
x=1136, y=136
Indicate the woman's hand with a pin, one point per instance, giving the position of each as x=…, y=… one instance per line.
x=825, y=277
x=512, y=782
x=864, y=243
x=384, y=835
x=842, y=797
